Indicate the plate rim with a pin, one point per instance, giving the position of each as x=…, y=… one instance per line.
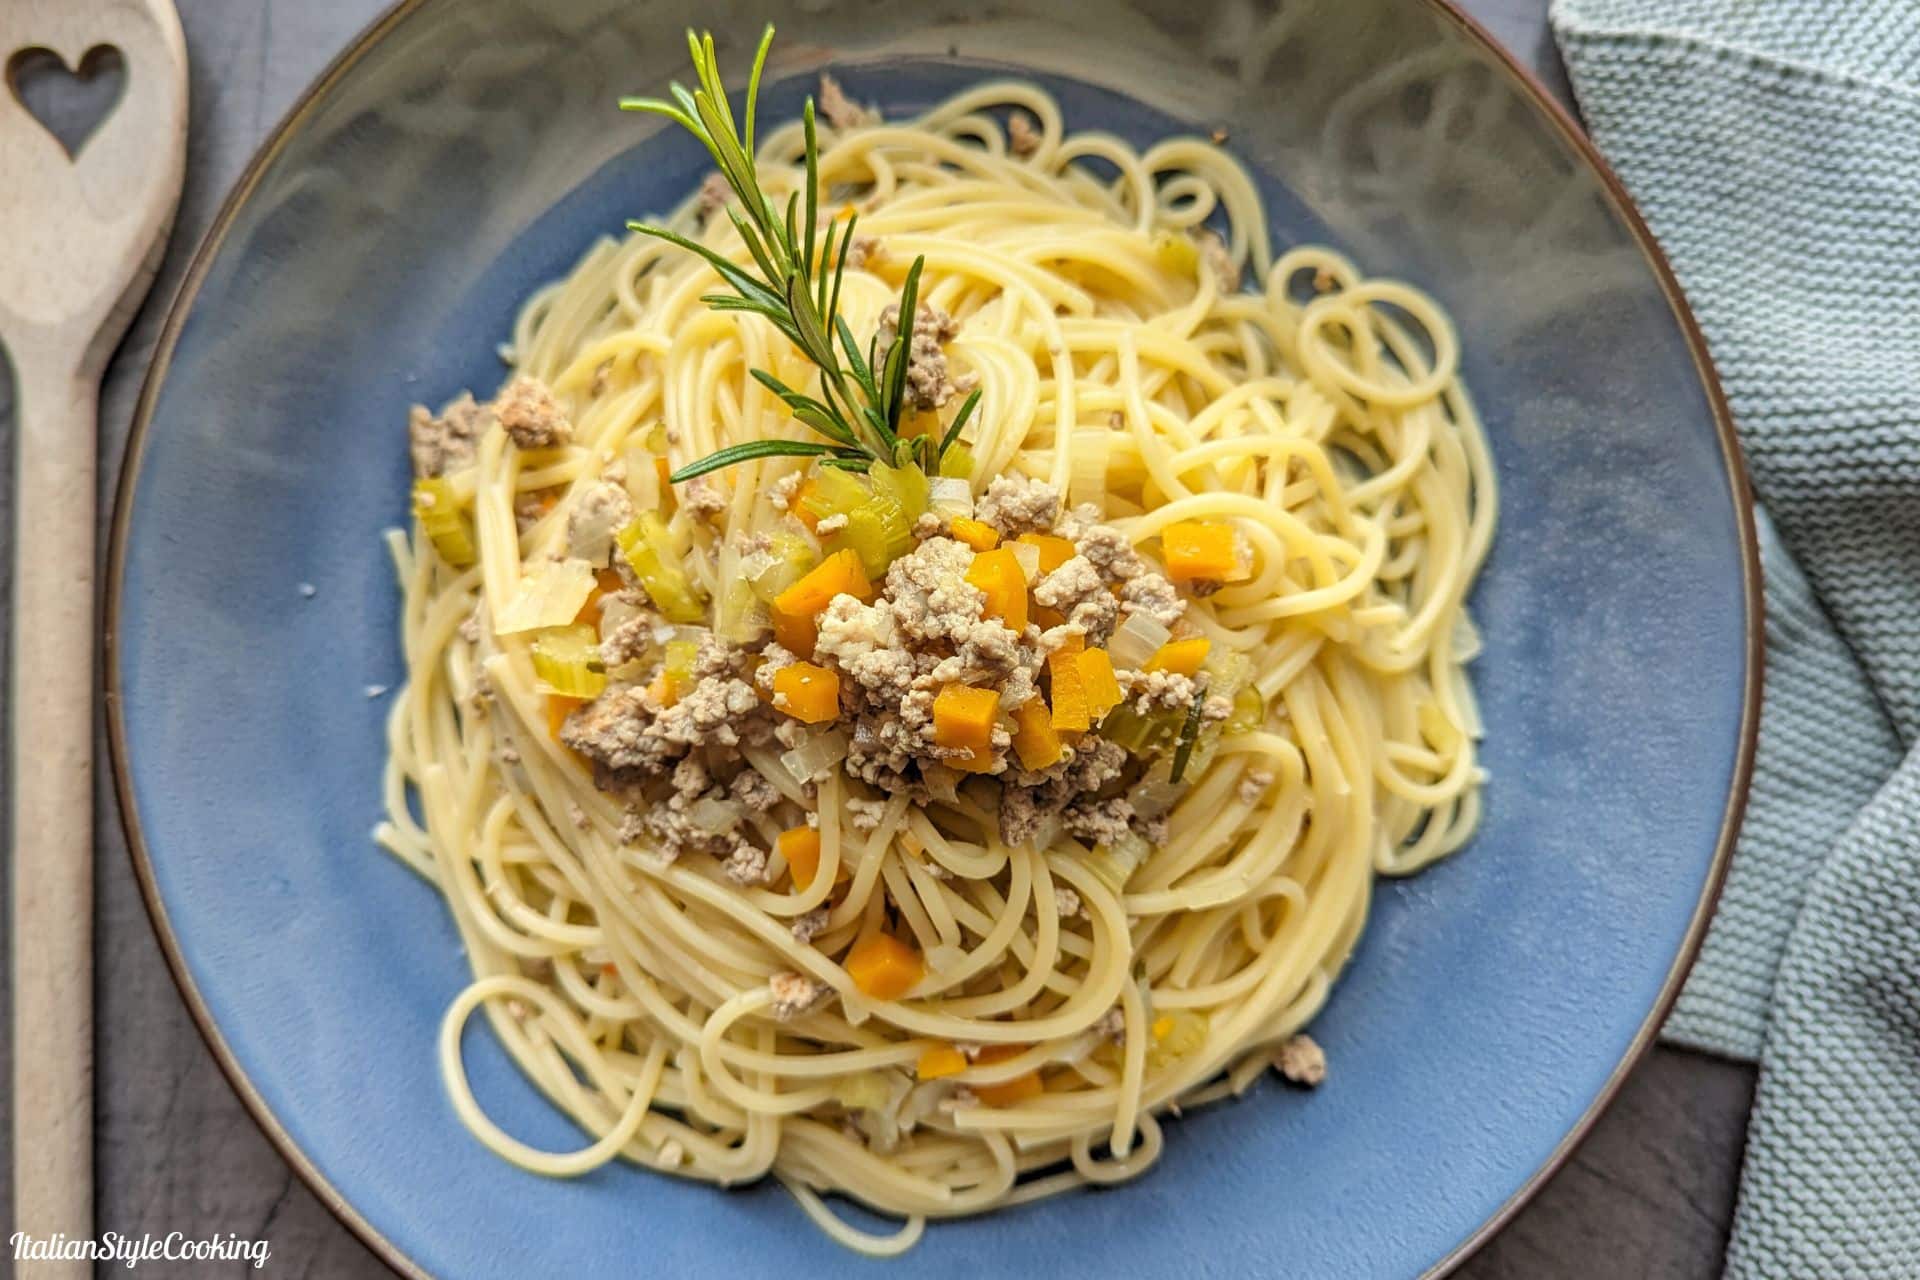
x=1620, y=203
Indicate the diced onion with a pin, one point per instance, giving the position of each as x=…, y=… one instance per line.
x=950, y=497
x=1088, y=481
x=1466, y=638
x=716, y=816
x=815, y=756
x=643, y=478
x=1046, y=832
x=1114, y=864
x=864, y=1090
x=1155, y=794
x=785, y=561
x=1469, y=706
x=1028, y=556
x=944, y=958
x=551, y=596
x=1137, y=640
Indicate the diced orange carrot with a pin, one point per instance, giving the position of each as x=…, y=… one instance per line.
x=839, y=573
x=800, y=846
x=1181, y=656
x=798, y=506
x=796, y=632
x=807, y=692
x=1018, y=1089
x=963, y=718
x=605, y=583
x=558, y=709
x=665, y=689
x=1097, y=679
x=1008, y=1092
x=884, y=967
x=940, y=1061
x=1034, y=738
x=1070, y=709
x=1202, y=550
x=975, y=533
x=997, y=573
x=1054, y=550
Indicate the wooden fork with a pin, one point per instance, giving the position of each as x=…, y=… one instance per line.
x=80, y=239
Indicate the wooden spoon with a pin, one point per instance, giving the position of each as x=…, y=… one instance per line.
x=80, y=239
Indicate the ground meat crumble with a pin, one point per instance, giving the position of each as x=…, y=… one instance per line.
x=837, y=109
x=532, y=417
x=930, y=384
x=1301, y=1061
x=445, y=443
x=676, y=763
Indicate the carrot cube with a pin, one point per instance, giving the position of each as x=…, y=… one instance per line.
x=976, y=534
x=884, y=967
x=963, y=719
x=1070, y=708
x=1054, y=550
x=1182, y=657
x=806, y=692
x=1018, y=1089
x=940, y=1061
x=800, y=846
x=1202, y=550
x=1034, y=738
x=997, y=574
x=1097, y=679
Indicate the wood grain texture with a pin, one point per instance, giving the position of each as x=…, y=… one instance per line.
x=1650, y=1194
x=80, y=236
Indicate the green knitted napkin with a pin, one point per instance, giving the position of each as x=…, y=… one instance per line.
x=1774, y=147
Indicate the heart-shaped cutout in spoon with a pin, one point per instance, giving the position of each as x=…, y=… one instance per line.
x=69, y=103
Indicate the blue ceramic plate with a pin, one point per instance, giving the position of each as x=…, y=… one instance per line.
x=467, y=150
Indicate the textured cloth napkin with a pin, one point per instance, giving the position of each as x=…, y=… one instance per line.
x=1774, y=147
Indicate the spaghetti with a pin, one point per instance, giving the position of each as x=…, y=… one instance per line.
x=1319, y=414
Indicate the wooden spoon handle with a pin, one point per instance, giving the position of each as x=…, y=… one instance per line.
x=52, y=805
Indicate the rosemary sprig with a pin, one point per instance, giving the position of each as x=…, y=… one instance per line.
x=860, y=396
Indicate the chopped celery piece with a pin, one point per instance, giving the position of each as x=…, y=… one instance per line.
x=1174, y=1035
x=957, y=462
x=648, y=548
x=1250, y=710
x=836, y=493
x=906, y=485
x=1143, y=735
x=568, y=659
x=878, y=532
x=1225, y=674
x=552, y=595
x=786, y=560
x=438, y=512
x=680, y=655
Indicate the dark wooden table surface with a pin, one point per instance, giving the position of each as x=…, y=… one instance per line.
x=1650, y=1193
